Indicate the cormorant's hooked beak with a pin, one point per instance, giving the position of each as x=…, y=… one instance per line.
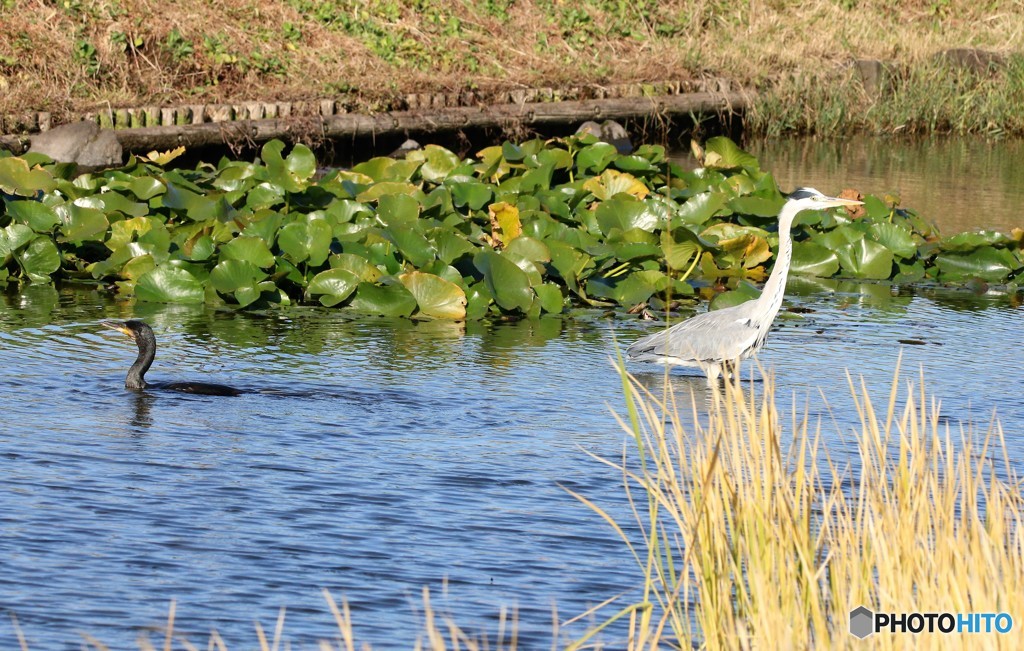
x=120, y=327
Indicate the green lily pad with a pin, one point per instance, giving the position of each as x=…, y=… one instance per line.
x=16, y=178
x=358, y=265
x=386, y=300
x=987, y=262
x=83, y=224
x=378, y=190
x=38, y=216
x=264, y=195
x=12, y=238
x=529, y=248
x=167, y=284
x=625, y=213
x=307, y=240
x=398, y=211
x=866, y=259
x=700, y=208
x=596, y=157
x=743, y=293
x=507, y=283
x=248, y=249
x=291, y=173
x=333, y=286
x=812, y=259
x=452, y=245
x=895, y=238
x=469, y=193
x=231, y=275
x=40, y=259
x=551, y=298
x=722, y=153
x=964, y=242
x=435, y=296
x=412, y=244
x=679, y=247
x=437, y=162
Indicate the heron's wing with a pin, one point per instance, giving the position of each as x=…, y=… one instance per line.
x=721, y=335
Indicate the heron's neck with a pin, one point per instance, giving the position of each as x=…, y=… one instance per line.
x=771, y=295
x=136, y=374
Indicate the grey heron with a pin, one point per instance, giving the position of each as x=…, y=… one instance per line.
x=713, y=340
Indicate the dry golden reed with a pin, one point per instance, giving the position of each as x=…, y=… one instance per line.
x=755, y=537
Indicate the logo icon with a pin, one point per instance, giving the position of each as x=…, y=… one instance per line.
x=862, y=622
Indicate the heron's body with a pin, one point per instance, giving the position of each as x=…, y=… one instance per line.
x=143, y=336
x=713, y=340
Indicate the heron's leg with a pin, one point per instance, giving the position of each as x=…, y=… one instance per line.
x=713, y=371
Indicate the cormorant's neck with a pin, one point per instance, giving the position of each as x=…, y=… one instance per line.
x=136, y=374
x=771, y=295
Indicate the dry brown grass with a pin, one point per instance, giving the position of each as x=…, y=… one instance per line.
x=73, y=56
x=756, y=536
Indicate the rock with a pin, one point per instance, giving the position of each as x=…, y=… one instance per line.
x=81, y=142
x=980, y=61
x=405, y=148
x=610, y=132
x=877, y=76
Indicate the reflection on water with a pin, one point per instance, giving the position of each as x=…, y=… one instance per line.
x=959, y=184
x=378, y=456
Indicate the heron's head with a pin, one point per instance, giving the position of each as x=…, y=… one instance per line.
x=811, y=199
x=133, y=328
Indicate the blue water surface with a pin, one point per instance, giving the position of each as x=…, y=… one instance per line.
x=376, y=457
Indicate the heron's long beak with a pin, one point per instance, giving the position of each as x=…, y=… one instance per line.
x=837, y=201
x=114, y=325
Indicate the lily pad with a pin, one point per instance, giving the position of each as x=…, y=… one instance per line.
x=724, y=154
x=38, y=216
x=167, y=284
x=386, y=300
x=40, y=259
x=812, y=259
x=700, y=208
x=866, y=259
x=596, y=157
x=435, y=296
x=12, y=238
x=895, y=238
x=987, y=263
x=16, y=178
x=248, y=249
x=507, y=283
x=333, y=286
x=83, y=224
x=308, y=240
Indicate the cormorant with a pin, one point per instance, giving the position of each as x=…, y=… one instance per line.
x=143, y=336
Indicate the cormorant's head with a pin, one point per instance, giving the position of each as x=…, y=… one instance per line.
x=134, y=328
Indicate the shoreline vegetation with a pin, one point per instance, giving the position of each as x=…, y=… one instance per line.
x=755, y=533
x=817, y=67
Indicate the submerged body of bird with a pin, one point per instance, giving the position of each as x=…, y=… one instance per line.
x=715, y=341
x=142, y=335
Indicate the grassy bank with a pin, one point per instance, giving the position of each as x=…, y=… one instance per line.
x=758, y=533
x=70, y=57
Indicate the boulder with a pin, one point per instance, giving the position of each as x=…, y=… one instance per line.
x=610, y=132
x=80, y=142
